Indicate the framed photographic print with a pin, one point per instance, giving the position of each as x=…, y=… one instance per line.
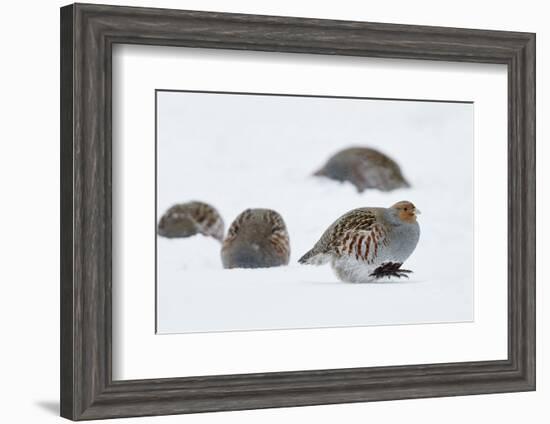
x=265, y=211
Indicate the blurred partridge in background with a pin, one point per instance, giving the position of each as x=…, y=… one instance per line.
x=368, y=244
x=188, y=219
x=258, y=238
x=364, y=168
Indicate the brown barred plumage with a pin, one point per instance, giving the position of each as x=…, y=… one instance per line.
x=364, y=168
x=361, y=242
x=257, y=238
x=188, y=219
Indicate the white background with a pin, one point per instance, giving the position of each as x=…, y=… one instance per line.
x=30, y=187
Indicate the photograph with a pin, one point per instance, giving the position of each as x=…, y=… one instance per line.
x=282, y=211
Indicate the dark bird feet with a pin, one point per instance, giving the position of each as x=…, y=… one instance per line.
x=390, y=269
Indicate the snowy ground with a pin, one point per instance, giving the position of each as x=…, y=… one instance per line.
x=259, y=151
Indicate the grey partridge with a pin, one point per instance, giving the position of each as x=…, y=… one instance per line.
x=257, y=238
x=365, y=168
x=368, y=244
x=188, y=219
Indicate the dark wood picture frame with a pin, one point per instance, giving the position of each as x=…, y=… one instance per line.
x=88, y=33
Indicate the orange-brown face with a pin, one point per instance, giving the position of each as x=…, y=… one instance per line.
x=406, y=211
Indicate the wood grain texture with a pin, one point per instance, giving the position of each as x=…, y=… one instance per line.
x=88, y=33
x=66, y=210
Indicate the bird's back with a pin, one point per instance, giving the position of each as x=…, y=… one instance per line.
x=188, y=219
x=365, y=168
x=337, y=233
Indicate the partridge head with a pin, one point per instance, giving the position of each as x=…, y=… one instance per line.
x=257, y=238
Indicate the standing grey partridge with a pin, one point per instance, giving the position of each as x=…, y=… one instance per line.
x=257, y=238
x=364, y=168
x=368, y=244
x=188, y=219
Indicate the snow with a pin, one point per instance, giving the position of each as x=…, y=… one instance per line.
x=240, y=151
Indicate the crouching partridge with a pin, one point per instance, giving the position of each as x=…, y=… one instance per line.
x=257, y=238
x=365, y=168
x=368, y=244
x=188, y=219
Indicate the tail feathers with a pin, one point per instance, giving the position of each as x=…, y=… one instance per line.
x=314, y=258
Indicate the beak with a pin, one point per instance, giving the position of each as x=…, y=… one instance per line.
x=417, y=211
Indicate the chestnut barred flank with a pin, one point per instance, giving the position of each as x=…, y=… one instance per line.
x=361, y=243
x=365, y=168
x=257, y=238
x=188, y=219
